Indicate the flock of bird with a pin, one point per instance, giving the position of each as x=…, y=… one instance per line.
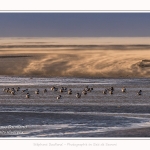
x=64, y=89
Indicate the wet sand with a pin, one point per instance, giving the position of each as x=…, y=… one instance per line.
x=25, y=124
x=139, y=132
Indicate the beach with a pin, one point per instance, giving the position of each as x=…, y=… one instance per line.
x=35, y=64
x=93, y=115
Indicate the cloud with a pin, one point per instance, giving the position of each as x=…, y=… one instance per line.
x=75, y=60
x=90, y=64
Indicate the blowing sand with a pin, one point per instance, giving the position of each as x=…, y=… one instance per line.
x=98, y=58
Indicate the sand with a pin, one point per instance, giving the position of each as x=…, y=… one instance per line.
x=61, y=57
x=94, y=62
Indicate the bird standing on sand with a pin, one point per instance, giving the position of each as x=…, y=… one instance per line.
x=4, y=89
x=13, y=92
x=7, y=90
x=58, y=97
x=25, y=90
x=62, y=89
x=45, y=90
x=27, y=95
x=54, y=88
x=123, y=89
x=18, y=88
x=110, y=92
x=111, y=89
x=86, y=88
x=105, y=91
x=69, y=91
x=139, y=92
x=84, y=92
x=37, y=91
x=65, y=89
x=78, y=95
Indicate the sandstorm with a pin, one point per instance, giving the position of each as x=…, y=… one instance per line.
x=75, y=57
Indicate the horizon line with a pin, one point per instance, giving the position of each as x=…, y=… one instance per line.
x=74, y=36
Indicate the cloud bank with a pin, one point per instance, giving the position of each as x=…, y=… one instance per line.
x=98, y=61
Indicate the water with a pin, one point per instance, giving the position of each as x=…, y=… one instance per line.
x=92, y=115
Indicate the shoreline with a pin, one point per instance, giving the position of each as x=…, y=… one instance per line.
x=69, y=120
x=71, y=77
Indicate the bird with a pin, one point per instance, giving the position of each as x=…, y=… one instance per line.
x=13, y=92
x=45, y=90
x=37, y=91
x=61, y=90
x=18, y=88
x=123, y=89
x=69, y=91
x=54, y=88
x=105, y=91
x=4, y=89
x=111, y=92
x=25, y=90
x=84, y=92
x=86, y=88
x=59, y=96
x=139, y=92
x=65, y=89
x=27, y=95
x=78, y=95
x=112, y=88
x=7, y=90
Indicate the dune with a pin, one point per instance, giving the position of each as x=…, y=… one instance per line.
x=52, y=58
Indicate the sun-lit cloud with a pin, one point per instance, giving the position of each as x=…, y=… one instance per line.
x=76, y=61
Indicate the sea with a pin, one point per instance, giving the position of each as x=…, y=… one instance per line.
x=92, y=115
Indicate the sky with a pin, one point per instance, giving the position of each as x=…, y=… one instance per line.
x=74, y=24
